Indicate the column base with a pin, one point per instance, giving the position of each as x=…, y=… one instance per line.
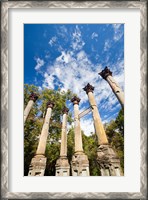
x=37, y=166
x=108, y=161
x=62, y=167
x=80, y=164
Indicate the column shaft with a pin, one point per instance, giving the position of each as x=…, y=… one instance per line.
x=62, y=165
x=107, y=75
x=63, y=150
x=27, y=109
x=44, y=133
x=77, y=130
x=80, y=163
x=100, y=132
x=106, y=157
x=116, y=89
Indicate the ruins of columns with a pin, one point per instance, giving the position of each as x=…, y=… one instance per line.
x=32, y=98
x=80, y=163
x=62, y=165
x=107, y=75
x=38, y=163
x=107, y=159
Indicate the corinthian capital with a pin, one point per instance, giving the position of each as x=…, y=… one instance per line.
x=75, y=100
x=65, y=110
x=33, y=96
x=105, y=73
x=88, y=88
x=50, y=104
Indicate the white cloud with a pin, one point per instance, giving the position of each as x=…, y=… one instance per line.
x=107, y=45
x=65, y=57
x=52, y=41
x=87, y=125
x=62, y=31
x=74, y=72
x=94, y=35
x=39, y=64
x=118, y=33
x=77, y=41
x=48, y=81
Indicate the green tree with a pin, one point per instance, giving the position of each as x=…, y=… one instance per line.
x=115, y=133
x=90, y=149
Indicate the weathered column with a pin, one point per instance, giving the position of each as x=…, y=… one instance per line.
x=33, y=97
x=77, y=128
x=99, y=129
x=62, y=165
x=106, y=157
x=80, y=163
x=38, y=163
x=107, y=75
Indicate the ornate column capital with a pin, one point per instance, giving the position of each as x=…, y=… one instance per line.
x=105, y=73
x=88, y=88
x=75, y=100
x=33, y=96
x=50, y=104
x=65, y=110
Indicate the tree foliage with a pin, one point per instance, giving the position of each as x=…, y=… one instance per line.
x=115, y=133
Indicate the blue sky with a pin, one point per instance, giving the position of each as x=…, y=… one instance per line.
x=71, y=55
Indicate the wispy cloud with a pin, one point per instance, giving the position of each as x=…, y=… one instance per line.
x=39, y=64
x=52, y=41
x=87, y=125
x=94, y=35
x=107, y=45
x=62, y=31
x=77, y=41
x=118, y=33
x=73, y=71
x=48, y=81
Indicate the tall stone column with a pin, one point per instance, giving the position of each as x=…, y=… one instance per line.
x=107, y=75
x=99, y=129
x=107, y=159
x=80, y=163
x=32, y=98
x=62, y=165
x=38, y=163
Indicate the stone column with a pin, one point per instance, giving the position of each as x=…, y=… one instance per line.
x=107, y=75
x=63, y=150
x=38, y=163
x=80, y=163
x=33, y=97
x=106, y=157
x=99, y=129
x=62, y=165
x=77, y=128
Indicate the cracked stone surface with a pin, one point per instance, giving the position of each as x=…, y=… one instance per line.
x=80, y=165
x=37, y=166
x=108, y=161
x=62, y=167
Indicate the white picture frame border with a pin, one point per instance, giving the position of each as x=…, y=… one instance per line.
x=4, y=97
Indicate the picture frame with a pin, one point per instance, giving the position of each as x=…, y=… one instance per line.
x=5, y=7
